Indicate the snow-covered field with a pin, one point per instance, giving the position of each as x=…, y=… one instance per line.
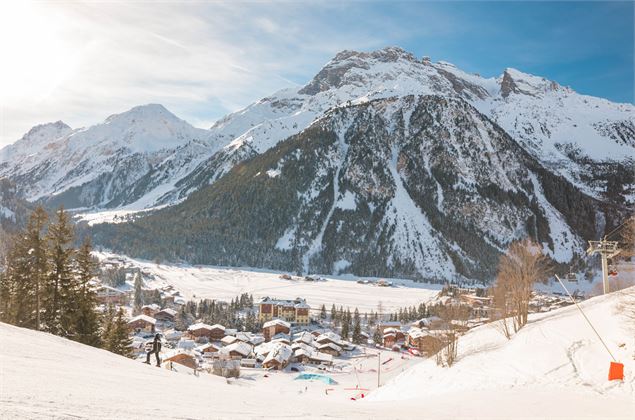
x=196, y=282
x=554, y=368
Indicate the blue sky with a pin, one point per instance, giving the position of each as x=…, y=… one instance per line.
x=80, y=62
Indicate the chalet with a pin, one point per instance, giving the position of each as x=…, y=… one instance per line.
x=278, y=357
x=237, y=350
x=165, y=315
x=207, y=350
x=425, y=342
x=150, y=310
x=109, y=295
x=273, y=327
x=304, y=337
x=261, y=351
x=295, y=311
x=431, y=322
x=228, y=339
x=389, y=324
x=142, y=324
x=329, y=337
x=312, y=357
x=330, y=348
x=389, y=339
x=399, y=335
x=211, y=332
x=182, y=358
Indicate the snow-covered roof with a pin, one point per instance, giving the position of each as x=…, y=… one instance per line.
x=276, y=321
x=281, y=353
x=295, y=303
x=301, y=346
x=168, y=311
x=110, y=289
x=239, y=347
x=329, y=336
x=322, y=357
x=204, y=347
x=228, y=339
x=218, y=327
x=264, y=348
x=200, y=326
x=304, y=337
x=144, y=318
x=152, y=306
x=186, y=344
x=281, y=337
x=331, y=346
x=172, y=334
x=417, y=332
x=391, y=330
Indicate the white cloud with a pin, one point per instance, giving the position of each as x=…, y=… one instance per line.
x=80, y=62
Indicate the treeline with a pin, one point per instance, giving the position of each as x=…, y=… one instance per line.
x=238, y=314
x=45, y=285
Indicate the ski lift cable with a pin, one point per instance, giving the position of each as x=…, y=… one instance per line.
x=623, y=224
x=586, y=318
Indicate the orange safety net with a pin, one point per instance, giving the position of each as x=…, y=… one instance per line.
x=616, y=371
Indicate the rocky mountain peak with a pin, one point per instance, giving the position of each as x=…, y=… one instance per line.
x=515, y=81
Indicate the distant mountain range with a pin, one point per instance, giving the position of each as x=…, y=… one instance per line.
x=383, y=164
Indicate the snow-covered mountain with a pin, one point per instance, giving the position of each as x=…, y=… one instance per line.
x=156, y=158
x=128, y=158
x=487, y=158
x=421, y=187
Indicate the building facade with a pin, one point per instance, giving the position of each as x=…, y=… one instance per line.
x=295, y=311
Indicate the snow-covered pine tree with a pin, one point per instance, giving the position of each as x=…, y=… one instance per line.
x=323, y=312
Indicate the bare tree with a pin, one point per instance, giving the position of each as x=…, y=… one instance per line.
x=523, y=265
x=454, y=317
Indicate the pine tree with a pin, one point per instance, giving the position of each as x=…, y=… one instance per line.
x=38, y=264
x=106, y=325
x=118, y=340
x=333, y=314
x=323, y=312
x=61, y=308
x=138, y=300
x=357, y=328
x=87, y=321
x=377, y=336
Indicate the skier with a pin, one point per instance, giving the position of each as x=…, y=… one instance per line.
x=156, y=348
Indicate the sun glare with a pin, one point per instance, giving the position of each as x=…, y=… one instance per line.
x=35, y=55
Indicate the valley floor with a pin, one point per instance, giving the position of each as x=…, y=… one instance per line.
x=225, y=283
x=554, y=368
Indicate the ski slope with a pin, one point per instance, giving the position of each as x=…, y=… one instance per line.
x=554, y=368
x=557, y=351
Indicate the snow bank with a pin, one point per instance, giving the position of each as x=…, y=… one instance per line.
x=556, y=353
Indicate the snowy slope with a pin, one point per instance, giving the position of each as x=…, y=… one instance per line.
x=556, y=352
x=43, y=376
